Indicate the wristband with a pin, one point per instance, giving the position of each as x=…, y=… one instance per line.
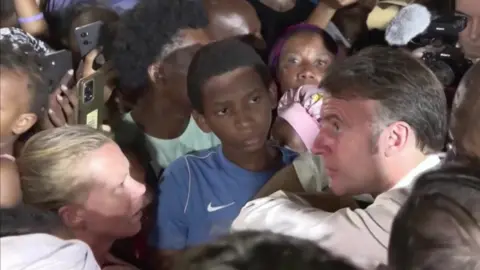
x=33, y=18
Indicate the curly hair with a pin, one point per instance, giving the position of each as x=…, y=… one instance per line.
x=146, y=32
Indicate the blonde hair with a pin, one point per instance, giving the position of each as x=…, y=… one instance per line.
x=50, y=165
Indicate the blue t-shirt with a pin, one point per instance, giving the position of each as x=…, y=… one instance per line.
x=200, y=196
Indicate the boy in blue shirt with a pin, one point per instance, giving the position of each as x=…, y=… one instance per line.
x=202, y=193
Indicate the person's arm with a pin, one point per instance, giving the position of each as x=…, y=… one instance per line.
x=325, y=10
x=327, y=201
x=10, y=191
x=30, y=17
x=169, y=235
x=286, y=179
x=306, y=174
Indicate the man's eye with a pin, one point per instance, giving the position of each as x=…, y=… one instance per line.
x=255, y=99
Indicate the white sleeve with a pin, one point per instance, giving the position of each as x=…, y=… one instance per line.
x=310, y=172
x=282, y=213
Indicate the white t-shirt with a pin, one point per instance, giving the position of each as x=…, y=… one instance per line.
x=360, y=235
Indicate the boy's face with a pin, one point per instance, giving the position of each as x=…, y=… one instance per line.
x=238, y=109
x=15, y=118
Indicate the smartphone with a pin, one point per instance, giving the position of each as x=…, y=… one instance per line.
x=89, y=37
x=91, y=100
x=54, y=66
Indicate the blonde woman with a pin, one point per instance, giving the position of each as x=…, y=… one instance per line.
x=83, y=176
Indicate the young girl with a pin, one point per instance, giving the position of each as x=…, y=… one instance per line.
x=296, y=126
x=23, y=95
x=301, y=56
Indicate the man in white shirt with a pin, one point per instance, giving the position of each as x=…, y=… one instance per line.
x=383, y=121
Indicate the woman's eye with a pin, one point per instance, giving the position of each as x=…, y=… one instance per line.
x=292, y=60
x=321, y=63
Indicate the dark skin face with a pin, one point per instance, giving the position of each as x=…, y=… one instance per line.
x=234, y=19
x=303, y=60
x=167, y=93
x=284, y=134
x=238, y=109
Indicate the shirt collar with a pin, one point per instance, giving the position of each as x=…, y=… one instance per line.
x=408, y=180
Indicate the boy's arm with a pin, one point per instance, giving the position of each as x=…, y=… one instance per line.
x=169, y=235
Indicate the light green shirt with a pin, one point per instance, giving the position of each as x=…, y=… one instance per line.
x=163, y=152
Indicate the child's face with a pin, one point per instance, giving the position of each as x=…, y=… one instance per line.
x=284, y=134
x=15, y=118
x=238, y=109
x=303, y=60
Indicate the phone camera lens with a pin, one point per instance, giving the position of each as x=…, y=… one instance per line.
x=84, y=34
x=88, y=92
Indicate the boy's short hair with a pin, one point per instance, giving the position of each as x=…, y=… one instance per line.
x=438, y=227
x=14, y=59
x=27, y=219
x=261, y=250
x=218, y=58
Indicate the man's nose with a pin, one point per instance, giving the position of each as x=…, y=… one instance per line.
x=323, y=144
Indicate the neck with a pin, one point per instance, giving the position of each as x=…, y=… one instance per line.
x=154, y=106
x=99, y=245
x=6, y=148
x=400, y=166
x=260, y=160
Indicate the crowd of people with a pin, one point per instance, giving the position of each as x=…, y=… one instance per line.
x=235, y=134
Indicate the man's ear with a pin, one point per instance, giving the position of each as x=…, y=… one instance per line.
x=156, y=73
x=396, y=138
x=273, y=94
x=200, y=120
x=72, y=216
x=24, y=122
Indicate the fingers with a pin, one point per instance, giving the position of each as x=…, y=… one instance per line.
x=69, y=103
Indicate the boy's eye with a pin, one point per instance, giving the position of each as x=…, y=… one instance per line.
x=222, y=112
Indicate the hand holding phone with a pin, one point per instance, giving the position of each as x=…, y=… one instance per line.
x=63, y=105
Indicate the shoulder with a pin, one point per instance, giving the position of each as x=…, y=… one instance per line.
x=288, y=155
x=195, y=158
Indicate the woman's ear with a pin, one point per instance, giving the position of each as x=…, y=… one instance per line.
x=273, y=94
x=200, y=120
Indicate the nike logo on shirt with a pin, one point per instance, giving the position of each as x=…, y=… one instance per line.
x=211, y=208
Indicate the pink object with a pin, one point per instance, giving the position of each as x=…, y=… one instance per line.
x=301, y=108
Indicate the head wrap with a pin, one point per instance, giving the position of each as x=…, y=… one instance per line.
x=24, y=41
x=301, y=109
x=44, y=251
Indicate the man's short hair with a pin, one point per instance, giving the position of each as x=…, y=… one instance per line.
x=261, y=250
x=405, y=89
x=438, y=227
x=218, y=58
x=14, y=59
x=465, y=121
x=51, y=165
x=148, y=33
